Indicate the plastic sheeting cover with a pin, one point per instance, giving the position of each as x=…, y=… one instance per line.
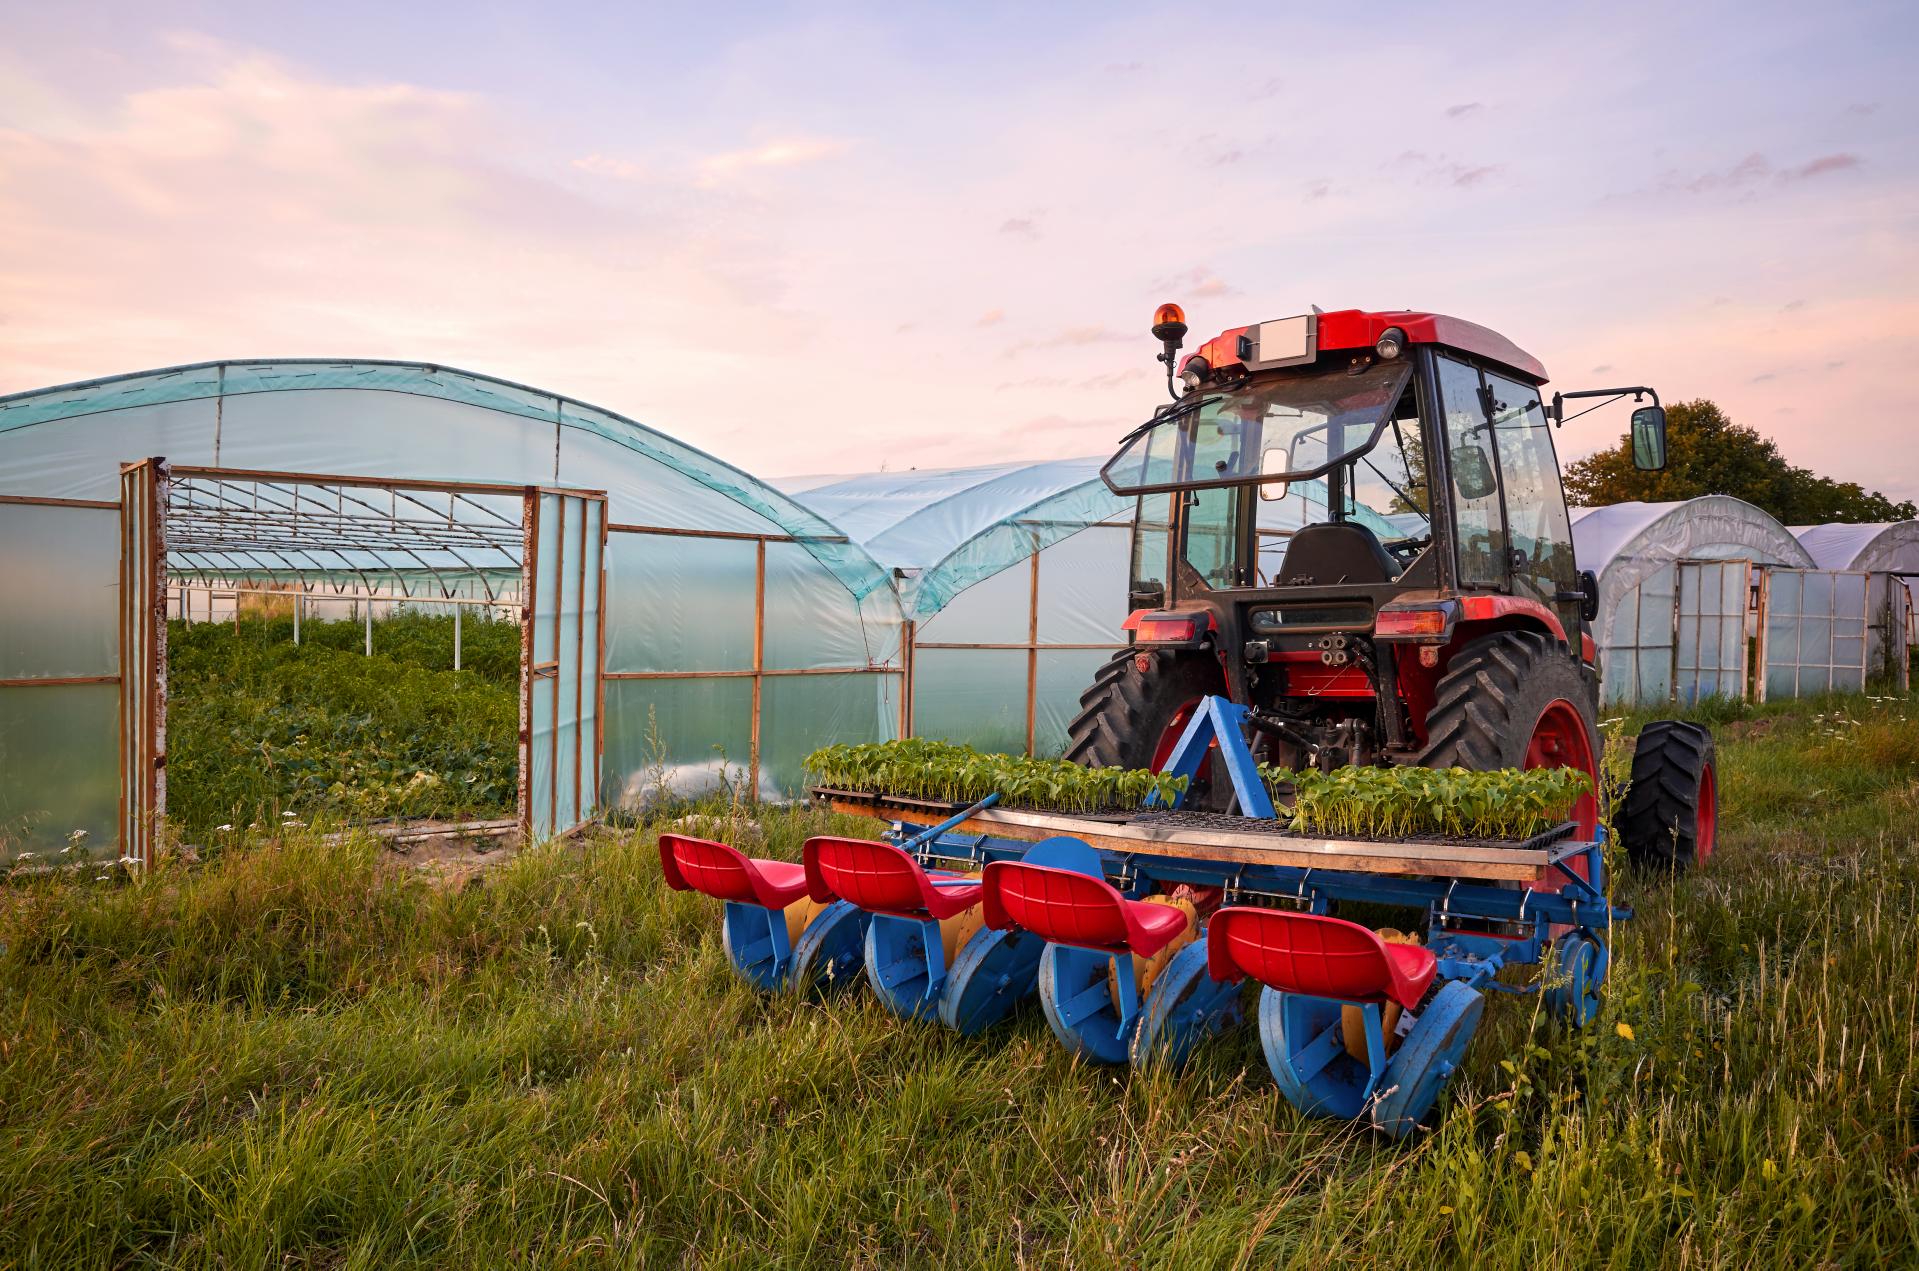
x=1633, y=548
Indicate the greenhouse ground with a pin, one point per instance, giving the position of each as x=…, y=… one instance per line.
x=308, y=1053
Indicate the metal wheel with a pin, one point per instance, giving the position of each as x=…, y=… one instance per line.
x=1305, y=1049
x=1582, y=969
x=1078, y=1001
x=1183, y=1008
x=896, y=965
x=994, y=972
x=1426, y=1060
x=829, y=950
x=758, y=952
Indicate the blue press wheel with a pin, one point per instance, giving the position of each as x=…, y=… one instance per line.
x=993, y=972
x=1078, y=1000
x=1418, y=1071
x=1306, y=1050
x=1183, y=1008
x=745, y=934
x=896, y=966
x=829, y=950
x=1581, y=969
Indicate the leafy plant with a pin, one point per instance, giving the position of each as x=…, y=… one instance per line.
x=921, y=768
x=1371, y=803
x=260, y=729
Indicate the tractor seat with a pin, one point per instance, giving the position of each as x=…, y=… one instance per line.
x=881, y=879
x=725, y=873
x=1317, y=956
x=1329, y=553
x=1067, y=907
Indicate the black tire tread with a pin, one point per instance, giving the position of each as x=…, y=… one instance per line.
x=1659, y=812
x=1473, y=704
x=1123, y=712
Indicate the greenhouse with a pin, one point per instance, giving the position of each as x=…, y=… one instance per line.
x=1014, y=578
x=1889, y=549
x=1675, y=581
x=730, y=626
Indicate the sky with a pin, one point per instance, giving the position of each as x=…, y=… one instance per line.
x=832, y=237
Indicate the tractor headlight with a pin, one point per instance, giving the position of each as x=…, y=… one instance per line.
x=1392, y=342
x=1195, y=372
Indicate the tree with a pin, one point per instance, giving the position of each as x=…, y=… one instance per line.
x=1706, y=453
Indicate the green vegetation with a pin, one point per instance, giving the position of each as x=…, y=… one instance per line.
x=1376, y=803
x=260, y=729
x=1706, y=453
x=918, y=768
x=1349, y=802
x=301, y=1054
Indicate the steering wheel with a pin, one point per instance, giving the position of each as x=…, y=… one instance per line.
x=1407, y=548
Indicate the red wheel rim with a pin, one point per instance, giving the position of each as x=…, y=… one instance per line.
x=1169, y=739
x=1706, y=820
x=1560, y=740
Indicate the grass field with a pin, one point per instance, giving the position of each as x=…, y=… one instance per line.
x=260, y=728
x=309, y=1056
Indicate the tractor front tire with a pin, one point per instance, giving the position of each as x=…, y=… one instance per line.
x=1136, y=699
x=1515, y=699
x=1669, y=815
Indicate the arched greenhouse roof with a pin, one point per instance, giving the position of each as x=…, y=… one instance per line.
x=945, y=529
x=1711, y=527
x=914, y=518
x=1892, y=545
x=334, y=417
x=1623, y=542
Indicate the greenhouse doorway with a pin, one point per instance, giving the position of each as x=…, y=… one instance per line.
x=287, y=546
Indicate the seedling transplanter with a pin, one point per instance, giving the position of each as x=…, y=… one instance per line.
x=1142, y=927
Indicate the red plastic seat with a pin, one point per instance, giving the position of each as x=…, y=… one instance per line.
x=726, y=873
x=1068, y=907
x=881, y=879
x=1316, y=955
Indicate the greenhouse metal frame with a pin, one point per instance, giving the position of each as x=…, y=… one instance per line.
x=754, y=591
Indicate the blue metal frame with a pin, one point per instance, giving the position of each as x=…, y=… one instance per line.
x=1474, y=929
x=1218, y=720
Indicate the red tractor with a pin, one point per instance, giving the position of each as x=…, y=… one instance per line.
x=1352, y=523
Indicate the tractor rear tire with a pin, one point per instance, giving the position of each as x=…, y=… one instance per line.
x=1136, y=699
x=1669, y=815
x=1494, y=692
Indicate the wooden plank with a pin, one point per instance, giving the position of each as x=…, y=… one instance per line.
x=1411, y=860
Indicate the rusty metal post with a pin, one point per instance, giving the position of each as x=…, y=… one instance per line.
x=1032, y=649
x=759, y=661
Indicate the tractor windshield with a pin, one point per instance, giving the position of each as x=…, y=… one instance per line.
x=1282, y=428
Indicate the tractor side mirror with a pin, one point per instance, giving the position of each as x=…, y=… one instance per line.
x=1589, y=606
x=1473, y=472
x=1649, y=438
x=1275, y=459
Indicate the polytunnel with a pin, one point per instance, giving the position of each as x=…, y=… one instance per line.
x=1015, y=578
x=1889, y=550
x=1674, y=582
x=677, y=613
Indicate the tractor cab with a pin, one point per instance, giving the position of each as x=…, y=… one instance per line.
x=1332, y=509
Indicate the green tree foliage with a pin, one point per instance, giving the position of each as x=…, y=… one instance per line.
x=1709, y=454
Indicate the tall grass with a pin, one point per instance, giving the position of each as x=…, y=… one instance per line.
x=306, y=1055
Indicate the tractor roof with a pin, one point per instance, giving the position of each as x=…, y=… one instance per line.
x=1359, y=329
